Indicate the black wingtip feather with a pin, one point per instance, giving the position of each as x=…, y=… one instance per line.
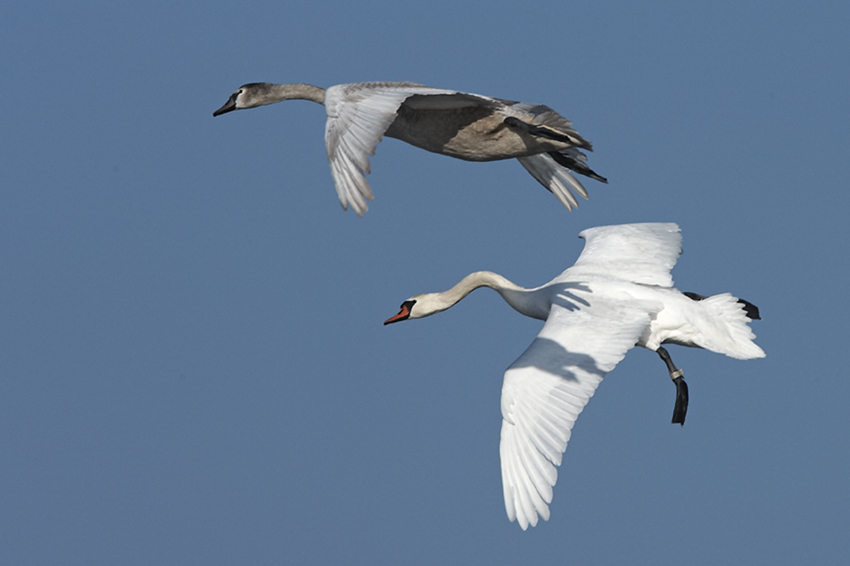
x=751, y=310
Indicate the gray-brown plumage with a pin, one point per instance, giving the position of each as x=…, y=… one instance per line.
x=467, y=126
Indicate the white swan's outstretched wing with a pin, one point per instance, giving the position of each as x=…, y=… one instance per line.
x=548, y=386
x=358, y=116
x=641, y=253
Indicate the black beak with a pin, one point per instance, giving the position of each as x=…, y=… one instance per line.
x=229, y=106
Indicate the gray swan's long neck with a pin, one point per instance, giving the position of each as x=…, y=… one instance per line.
x=293, y=91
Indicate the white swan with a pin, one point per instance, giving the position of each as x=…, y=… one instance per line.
x=458, y=124
x=617, y=295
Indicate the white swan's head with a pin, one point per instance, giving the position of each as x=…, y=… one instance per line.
x=420, y=306
x=249, y=95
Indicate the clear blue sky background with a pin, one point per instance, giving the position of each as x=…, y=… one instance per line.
x=193, y=368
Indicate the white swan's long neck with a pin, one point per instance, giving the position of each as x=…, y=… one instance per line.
x=517, y=297
x=272, y=93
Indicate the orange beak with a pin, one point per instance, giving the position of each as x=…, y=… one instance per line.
x=403, y=314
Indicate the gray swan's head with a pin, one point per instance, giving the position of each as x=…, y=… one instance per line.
x=249, y=95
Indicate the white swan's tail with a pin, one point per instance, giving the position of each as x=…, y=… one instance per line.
x=728, y=331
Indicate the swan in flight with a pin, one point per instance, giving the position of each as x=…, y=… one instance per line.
x=619, y=294
x=458, y=124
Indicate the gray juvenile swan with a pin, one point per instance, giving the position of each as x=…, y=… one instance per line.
x=458, y=124
x=619, y=294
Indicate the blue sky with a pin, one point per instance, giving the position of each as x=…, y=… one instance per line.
x=193, y=368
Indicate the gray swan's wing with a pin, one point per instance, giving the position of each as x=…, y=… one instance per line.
x=359, y=115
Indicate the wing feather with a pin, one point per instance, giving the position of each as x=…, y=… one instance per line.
x=358, y=116
x=557, y=179
x=641, y=253
x=547, y=387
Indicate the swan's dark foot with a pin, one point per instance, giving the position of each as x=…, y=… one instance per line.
x=547, y=132
x=750, y=309
x=563, y=158
x=681, y=408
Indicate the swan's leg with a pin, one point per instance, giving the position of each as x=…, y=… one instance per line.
x=681, y=408
x=566, y=158
x=544, y=132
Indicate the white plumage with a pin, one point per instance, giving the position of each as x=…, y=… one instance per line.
x=617, y=295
